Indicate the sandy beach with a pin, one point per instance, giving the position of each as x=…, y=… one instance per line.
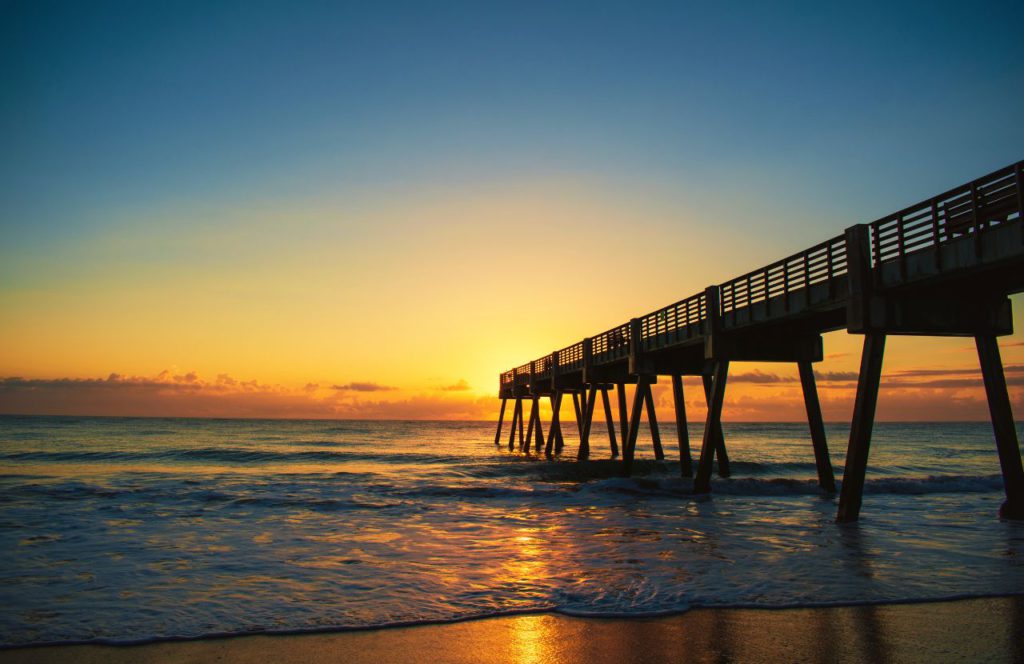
x=977, y=630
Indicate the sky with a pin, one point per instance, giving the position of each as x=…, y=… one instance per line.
x=276, y=209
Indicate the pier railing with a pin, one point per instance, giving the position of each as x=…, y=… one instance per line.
x=970, y=208
x=787, y=278
x=571, y=357
x=805, y=280
x=675, y=324
x=611, y=345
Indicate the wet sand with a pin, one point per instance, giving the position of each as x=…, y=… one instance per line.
x=975, y=630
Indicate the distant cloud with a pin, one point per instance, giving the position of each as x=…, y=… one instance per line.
x=969, y=371
x=760, y=377
x=172, y=394
x=907, y=394
x=363, y=387
x=1011, y=381
x=835, y=376
x=763, y=378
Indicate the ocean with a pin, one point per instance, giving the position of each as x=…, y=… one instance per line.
x=126, y=529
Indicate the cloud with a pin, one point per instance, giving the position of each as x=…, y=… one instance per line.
x=970, y=371
x=909, y=394
x=1012, y=381
x=760, y=377
x=363, y=387
x=189, y=395
x=835, y=376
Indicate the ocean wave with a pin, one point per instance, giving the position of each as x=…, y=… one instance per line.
x=542, y=608
x=749, y=486
x=226, y=455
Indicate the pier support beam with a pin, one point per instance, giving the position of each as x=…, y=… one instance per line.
x=579, y=413
x=685, y=461
x=525, y=447
x=716, y=432
x=826, y=479
x=559, y=440
x=716, y=397
x=609, y=421
x=588, y=417
x=652, y=421
x=860, y=428
x=629, y=444
x=501, y=418
x=555, y=429
x=538, y=431
x=1003, y=426
x=517, y=420
x=620, y=388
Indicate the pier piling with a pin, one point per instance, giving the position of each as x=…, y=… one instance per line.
x=1002, y=425
x=501, y=417
x=702, y=483
x=860, y=430
x=683, y=433
x=826, y=479
x=609, y=421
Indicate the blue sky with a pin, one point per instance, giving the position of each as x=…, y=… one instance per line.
x=107, y=105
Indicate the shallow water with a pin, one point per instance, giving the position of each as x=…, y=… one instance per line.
x=130, y=529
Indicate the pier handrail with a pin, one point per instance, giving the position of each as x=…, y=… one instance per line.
x=825, y=260
x=675, y=323
x=571, y=357
x=968, y=209
x=610, y=345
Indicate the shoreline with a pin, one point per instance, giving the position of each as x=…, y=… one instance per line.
x=978, y=628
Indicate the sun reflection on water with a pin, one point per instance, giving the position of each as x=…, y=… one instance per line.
x=533, y=640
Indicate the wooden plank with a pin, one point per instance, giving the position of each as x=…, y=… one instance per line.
x=610, y=422
x=702, y=483
x=860, y=429
x=826, y=478
x=1003, y=426
x=683, y=433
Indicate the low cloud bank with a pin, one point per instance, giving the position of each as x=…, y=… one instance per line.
x=758, y=396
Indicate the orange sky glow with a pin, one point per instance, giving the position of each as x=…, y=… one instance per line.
x=406, y=310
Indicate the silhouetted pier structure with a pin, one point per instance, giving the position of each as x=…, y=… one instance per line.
x=942, y=267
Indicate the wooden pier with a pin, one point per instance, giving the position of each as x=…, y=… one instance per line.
x=942, y=267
